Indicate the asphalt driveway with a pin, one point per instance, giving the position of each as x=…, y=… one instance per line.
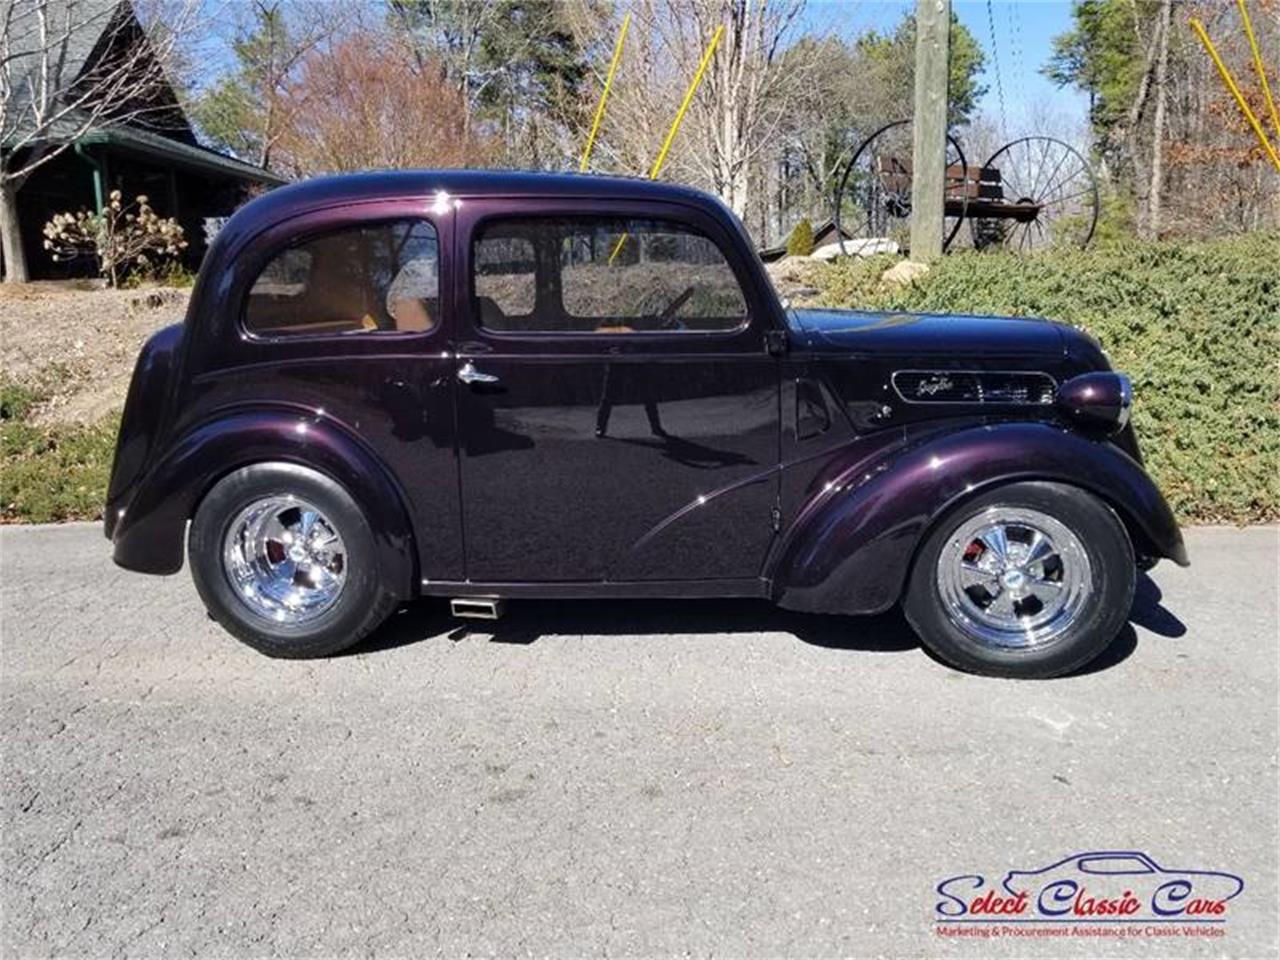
x=607, y=778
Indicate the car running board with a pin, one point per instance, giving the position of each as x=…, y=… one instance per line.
x=477, y=608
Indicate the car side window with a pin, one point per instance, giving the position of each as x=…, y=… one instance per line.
x=366, y=279
x=1113, y=865
x=505, y=276
x=602, y=275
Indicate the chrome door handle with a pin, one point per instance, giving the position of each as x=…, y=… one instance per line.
x=468, y=373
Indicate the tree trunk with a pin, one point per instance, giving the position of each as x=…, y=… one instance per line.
x=1152, y=226
x=15, y=257
x=739, y=188
x=1132, y=138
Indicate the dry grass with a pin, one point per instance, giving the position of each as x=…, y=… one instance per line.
x=76, y=347
x=67, y=351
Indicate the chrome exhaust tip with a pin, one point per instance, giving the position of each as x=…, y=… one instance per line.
x=477, y=608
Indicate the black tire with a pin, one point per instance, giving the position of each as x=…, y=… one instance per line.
x=1111, y=581
x=364, y=602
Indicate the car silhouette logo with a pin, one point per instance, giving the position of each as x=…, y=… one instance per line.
x=1114, y=875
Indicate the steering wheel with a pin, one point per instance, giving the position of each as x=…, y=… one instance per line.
x=667, y=319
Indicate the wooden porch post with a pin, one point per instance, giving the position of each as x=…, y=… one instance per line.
x=99, y=175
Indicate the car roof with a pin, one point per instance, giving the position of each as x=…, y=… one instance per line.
x=333, y=193
x=351, y=189
x=1096, y=855
x=373, y=185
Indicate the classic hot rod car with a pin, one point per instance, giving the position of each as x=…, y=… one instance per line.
x=485, y=386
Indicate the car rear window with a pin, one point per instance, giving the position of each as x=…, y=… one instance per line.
x=597, y=275
x=366, y=279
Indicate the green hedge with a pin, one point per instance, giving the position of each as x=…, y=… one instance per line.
x=56, y=472
x=1194, y=325
x=50, y=473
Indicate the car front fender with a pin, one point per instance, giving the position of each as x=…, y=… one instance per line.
x=148, y=530
x=851, y=545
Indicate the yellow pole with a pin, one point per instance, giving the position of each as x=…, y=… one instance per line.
x=604, y=95
x=684, y=105
x=1257, y=65
x=675, y=124
x=1198, y=27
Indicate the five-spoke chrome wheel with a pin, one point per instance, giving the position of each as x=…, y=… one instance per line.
x=284, y=559
x=1013, y=577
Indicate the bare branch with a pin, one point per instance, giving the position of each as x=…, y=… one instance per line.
x=53, y=91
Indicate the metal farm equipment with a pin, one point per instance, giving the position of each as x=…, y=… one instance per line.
x=1030, y=194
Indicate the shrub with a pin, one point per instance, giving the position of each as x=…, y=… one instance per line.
x=1194, y=325
x=120, y=238
x=17, y=400
x=800, y=243
x=170, y=273
x=50, y=473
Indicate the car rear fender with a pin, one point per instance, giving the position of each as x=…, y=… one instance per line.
x=146, y=410
x=851, y=546
x=149, y=530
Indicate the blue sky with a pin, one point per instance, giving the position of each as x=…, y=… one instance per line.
x=1024, y=31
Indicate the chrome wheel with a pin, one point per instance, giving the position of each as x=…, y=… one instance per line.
x=285, y=560
x=1014, y=578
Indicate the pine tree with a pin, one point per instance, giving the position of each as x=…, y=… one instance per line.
x=800, y=243
x=240, y=113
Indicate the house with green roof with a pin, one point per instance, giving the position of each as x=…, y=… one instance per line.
x=139, y=141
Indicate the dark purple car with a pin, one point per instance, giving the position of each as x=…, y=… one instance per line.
x=486, y=385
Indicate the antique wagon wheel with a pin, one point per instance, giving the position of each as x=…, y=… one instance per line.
x=1035, y=192
x=873, y=200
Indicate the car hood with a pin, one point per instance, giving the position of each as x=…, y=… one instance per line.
x=887, y=333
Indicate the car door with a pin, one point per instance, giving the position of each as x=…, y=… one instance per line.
x=348, y=313
x=618, y=411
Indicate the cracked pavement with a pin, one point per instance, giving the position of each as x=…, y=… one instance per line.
x=623, y=778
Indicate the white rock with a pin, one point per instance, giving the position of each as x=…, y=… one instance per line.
x=866, y=247
x=904, y=273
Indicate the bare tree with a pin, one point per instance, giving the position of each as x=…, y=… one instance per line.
x=519, y=65
x=68, y=67
x=449, y=34
x=1167, y=131
x=347, y=111
x=736, y=117
x=243, y=111
x=1216, y=177
x=644, y=96
x=1150, y=228
x=746, y=96
x=829, y=113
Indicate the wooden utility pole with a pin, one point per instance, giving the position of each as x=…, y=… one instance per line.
x=929, y=145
